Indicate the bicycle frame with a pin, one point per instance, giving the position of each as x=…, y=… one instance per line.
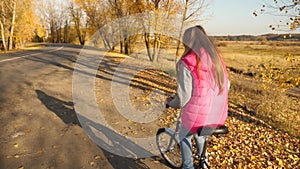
x=174, y=133
x=206, y=132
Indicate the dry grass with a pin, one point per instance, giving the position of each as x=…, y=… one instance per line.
x=27, y=46
x=263, y=98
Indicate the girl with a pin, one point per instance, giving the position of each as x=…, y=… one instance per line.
x=202, y=92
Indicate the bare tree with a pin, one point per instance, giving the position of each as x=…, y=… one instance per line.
x=47, y=12
x=157, y=20
x=193, y=9
x=156, y=42
x=120, y=10
x=287, y=12
x=42, y=13
x=54, y=14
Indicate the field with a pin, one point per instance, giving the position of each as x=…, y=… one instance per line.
x=264, y=104
x=265, y=79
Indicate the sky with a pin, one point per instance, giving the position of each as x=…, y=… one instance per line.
x=235, y=17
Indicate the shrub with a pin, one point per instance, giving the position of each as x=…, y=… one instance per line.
x=222, y=44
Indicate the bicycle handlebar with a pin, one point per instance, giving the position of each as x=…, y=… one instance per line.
x=172, y=96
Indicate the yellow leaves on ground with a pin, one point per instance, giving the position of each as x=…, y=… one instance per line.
x=249, y=145
x=215, y=147
x=251, y=142
x=17, y=156
x=16, y=145
x=156, y=85
x=92, y=163
x=153, y=79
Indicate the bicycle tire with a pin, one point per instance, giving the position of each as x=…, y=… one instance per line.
x=169, y=148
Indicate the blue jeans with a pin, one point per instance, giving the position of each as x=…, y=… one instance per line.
x=186, y=147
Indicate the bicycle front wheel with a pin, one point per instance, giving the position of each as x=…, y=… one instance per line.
x=169, y=148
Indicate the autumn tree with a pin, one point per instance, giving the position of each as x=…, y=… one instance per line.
x=47, y=13
x=182, y=13
x=13, y=7
x=41, y=31
x=287, y=11
x=17, y=22
x=112, y=20
x=26, y=22
x=79, y=19
x=3, y=16
x=192, y=12
x=120, y=10
x=159, y=15
x=54, y=19
x=98, y=14
x=7, y=23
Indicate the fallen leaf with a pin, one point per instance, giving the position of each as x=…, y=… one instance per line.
x=97, y=157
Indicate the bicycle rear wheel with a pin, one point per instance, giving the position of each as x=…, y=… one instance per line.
x=169, y=148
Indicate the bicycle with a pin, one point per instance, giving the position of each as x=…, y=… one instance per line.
x=167, y=141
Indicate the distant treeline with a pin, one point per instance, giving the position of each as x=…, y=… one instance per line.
x=266, y=37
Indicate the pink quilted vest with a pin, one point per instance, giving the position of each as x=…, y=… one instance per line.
x=206, y=106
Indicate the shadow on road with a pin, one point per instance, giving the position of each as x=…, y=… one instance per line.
x=66, y=112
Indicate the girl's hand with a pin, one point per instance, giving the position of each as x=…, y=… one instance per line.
x=168, y=100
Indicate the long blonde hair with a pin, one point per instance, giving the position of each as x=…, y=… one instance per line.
x=195, y=38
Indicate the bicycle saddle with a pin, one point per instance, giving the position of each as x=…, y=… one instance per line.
x=210, y=130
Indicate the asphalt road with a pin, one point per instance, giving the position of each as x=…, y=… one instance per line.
x=39, y=128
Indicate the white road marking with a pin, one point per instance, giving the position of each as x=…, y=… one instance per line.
x=15, y=58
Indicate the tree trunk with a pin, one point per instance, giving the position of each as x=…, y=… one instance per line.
x=156, y=49
x=146, y=38
x=77, y=26
x=11, y=34
x=58, y=34
x=156, y=42
x=52, y=30
x=3, y=36
x=126, y=46
x=121, y=46
x=181, y=28
x=105, y=41
x=83, y=33
x=66, y=32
